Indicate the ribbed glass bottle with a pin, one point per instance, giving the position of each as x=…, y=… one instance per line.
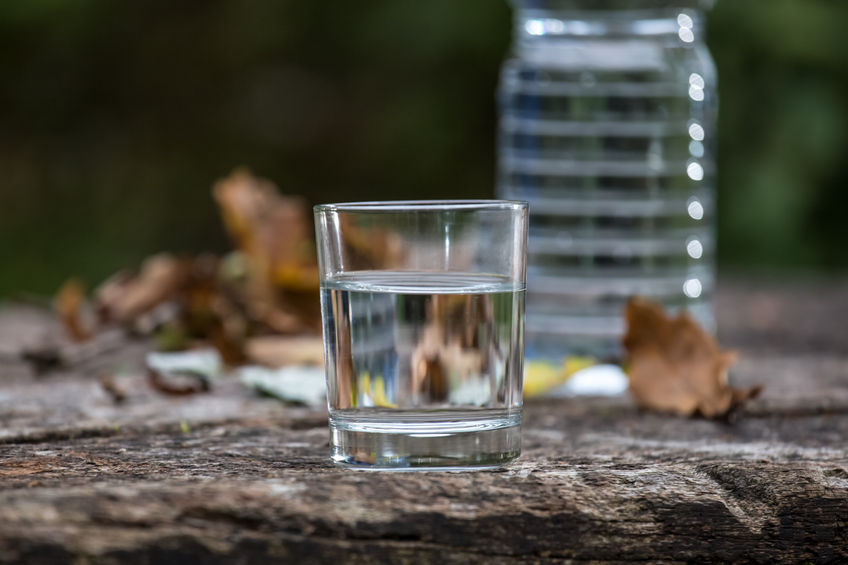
x=607, y=127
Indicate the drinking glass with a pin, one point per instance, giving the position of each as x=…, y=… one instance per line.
x=422, y=305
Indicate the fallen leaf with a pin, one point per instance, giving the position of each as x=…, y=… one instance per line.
x=213, y=312
x=301, y=385
x=675, y=366
x=126, y=296
x=274, y=234
x=269, y=285
x=110, y=385
x=279, y=351
x=201, y=361
x=183, y=373
x=274, y=231
x=69, y=304
x=43, y=358
x=180, y=383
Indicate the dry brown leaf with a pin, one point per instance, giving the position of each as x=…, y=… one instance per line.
x=125, y=296
x=269, y=285
x=675, y=366
x=110, y=385
x=279, y=351
x=211, y=312
x=274, y=231
x=177, y=384
x=69, y=304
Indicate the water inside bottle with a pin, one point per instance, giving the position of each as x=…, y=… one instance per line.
x=609, y=140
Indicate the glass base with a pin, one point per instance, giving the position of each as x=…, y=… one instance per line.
x=425, y=441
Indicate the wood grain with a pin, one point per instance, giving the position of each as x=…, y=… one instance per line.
x=230, y=477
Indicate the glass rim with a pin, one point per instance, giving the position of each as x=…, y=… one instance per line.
x=422, y=206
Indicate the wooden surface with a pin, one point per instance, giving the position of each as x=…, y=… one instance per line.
x=230, y=477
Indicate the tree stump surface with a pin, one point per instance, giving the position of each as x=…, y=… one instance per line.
x=228, y=476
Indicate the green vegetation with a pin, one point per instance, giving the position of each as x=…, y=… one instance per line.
x=117, y=117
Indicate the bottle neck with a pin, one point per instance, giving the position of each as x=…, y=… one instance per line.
x=535, y=24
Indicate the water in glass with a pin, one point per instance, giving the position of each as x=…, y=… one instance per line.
x=424, y=369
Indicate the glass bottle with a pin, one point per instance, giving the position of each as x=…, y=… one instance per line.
x=607, y=128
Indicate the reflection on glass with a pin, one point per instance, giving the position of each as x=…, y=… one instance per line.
x=696, y=131
x=696, y=94
x=544, y=26
x=696, y=80
x=692, y=288
x=696, y=149
x=695, y=249
x=534, y=27
x=695, y=209
x=695, y=171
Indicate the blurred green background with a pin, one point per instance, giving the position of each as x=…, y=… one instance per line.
x=116, y=117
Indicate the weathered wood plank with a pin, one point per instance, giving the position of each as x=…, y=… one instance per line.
x=228, y=476
x=594, y=484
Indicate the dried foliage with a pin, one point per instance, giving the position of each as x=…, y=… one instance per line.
x=269, y=286
x=273, y=231
x=127, y=295
x=69, y=304
x=279, y=351
x=675, y=366
x=110, y=385
x=178, y=383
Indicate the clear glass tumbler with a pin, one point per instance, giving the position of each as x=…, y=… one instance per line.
x=423, y=311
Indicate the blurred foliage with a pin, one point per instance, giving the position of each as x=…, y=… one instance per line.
x=116, y=117
x=783, y=127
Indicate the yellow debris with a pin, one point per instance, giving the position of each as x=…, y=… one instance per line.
x=542, y=376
